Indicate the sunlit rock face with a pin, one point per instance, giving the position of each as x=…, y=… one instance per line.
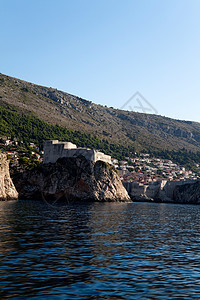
x=71, y=179
x=7, y=188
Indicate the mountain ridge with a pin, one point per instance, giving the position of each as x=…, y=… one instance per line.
x=142, y=131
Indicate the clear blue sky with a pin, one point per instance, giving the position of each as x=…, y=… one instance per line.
x=106, y=50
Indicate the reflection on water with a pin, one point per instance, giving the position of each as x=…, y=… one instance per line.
x=99, y=251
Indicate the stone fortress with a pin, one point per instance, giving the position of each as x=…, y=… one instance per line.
x=54, y=149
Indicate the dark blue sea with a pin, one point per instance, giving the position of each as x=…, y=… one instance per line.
x=99, y=251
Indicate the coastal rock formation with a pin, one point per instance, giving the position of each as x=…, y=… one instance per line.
x=187, y=193
x=7, y=188
x=165, y=191
x=72, y=179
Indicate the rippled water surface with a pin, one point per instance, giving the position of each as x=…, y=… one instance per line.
x=99, y=251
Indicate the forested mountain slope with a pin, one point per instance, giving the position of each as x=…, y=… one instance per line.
x=141, y=131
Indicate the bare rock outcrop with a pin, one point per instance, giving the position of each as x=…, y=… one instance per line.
x=187, y=193
x=72, y=179
x=7, y=188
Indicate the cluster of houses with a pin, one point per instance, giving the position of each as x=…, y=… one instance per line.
x=144, y=169
x=14, y=154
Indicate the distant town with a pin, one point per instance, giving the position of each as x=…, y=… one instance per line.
x=141, y=168
x=144, y=169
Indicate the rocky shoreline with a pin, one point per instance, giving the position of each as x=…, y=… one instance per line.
x=77, y=179
x=72, y=179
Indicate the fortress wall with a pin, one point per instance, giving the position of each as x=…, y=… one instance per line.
x=141, y=191
x=52, y=151
x=171, y=185
x=153, y=189
x=55, y=149
x=68, y=145
x=134, y=189
x=160, y=190
x=87, y=153
x=103, y=157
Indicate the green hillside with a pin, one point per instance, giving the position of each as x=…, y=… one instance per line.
x=139, y=131
x=28, y=128
x=33, y=113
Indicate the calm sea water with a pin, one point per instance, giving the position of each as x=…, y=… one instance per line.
x=99, y=251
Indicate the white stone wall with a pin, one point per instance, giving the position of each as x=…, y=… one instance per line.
x=103, y=157
x=162, y=190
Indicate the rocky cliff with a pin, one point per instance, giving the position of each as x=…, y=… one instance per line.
x=71, y=179
x=7, y=188
x=165, y=191
x=187, y=193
